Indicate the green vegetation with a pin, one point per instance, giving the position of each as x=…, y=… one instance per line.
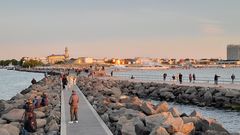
x=31, y=63
x=7, y=62
x=22, y=62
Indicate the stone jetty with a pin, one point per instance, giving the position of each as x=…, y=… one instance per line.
x=120, y=105
x=48, y=117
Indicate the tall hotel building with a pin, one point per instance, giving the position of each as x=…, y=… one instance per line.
x=233, y=52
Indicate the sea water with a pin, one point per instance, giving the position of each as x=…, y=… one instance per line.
x=13, y=82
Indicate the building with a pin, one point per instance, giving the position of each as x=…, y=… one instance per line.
x=53, y=59
x=84, y=60
x=233, y=52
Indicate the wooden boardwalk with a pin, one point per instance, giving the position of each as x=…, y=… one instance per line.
x=89, y=121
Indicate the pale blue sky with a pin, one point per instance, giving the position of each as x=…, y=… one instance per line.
x=119, y=28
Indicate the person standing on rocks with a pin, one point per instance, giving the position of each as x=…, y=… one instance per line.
x=180, y=78
x=29, y=122
x=164, y=76
x=194, y=78
x=111, y=73
x=33, y=81
x=73, y=102
x=233, y=78
x=173, y=78
x=190, y=78
x=216, y=79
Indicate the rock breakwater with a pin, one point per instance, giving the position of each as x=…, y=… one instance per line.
x=48, y=117
x=119, y=105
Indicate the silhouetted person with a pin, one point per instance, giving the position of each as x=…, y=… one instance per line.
x=111, y=73
x=233, y=78
x=164, y=76
x=132, y=77
x=64, y=81
x=190, y=78
x=173, y=77
x=194, y=78
x=180, y=78
x=33, y=81
x=216, y=79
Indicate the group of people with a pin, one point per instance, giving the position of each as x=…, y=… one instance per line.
x=179, y=77
x=29, y=117
x=192, y=78
x=74, y=99
x=68, y=80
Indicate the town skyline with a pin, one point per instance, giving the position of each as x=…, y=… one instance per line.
x=122, y=29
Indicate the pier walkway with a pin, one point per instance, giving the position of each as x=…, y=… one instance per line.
x=89, y=121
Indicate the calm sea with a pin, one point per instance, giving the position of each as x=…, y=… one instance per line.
x=13, y=82
x=202, y=74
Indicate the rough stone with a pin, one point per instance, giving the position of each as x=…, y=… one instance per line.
x=162, y=107
x=12, y=130
x=14, y=115
x=147, y=108
x=40, y=114
x=153, y=121
x=175, y=112
x=41, y=123
x=159, y=131
x=188, y=128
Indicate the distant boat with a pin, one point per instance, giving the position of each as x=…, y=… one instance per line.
x=10, y=67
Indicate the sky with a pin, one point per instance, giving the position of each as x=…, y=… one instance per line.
x=119, y=28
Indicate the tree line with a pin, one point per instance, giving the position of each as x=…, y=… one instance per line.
x=22, y=63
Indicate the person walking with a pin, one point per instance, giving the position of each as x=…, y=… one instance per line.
x=190, y=78
x=233, y=78
x=216, y=79
x=73, y=102
x=164, y=76
x=180, y=78
x=64, y=81
x=194, y=78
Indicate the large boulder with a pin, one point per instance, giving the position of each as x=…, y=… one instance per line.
x=195, y=114
x=4, y=131
x=191, y=90
x=159, y=131
x=2, y=121
x=12, y=130
x=41, y=123
x=147, y=108
x=162, y=107
x=124, y=99
x=52, y=126
x=153, y=121
x=167, y=95
x=40, y=114
x=116, y=92
x=175, y=112
x=173, y=125
x=14, y=115
x=232, y=93
x=188, y=128
x=135, y=104
x=208, y=97
x=129, y=113
x=127, y=126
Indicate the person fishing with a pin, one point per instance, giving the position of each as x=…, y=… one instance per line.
x=29, y=122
